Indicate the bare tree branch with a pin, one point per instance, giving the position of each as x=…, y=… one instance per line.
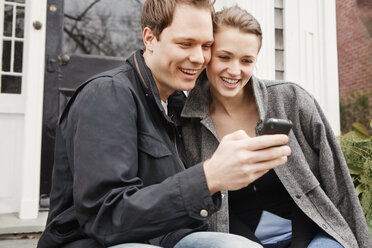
x=87, y=9
x=78, y=42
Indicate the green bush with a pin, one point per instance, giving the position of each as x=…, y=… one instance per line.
x=357, y=148
x=355, y=108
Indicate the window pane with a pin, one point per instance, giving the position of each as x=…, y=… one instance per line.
x=278, y=18
x=279, y=60
x=18, y=56
x=20, y=19
x=8, y=20
x=15, y=1
x=11, y=84
x=279, y=41
x=6, y=55
x=106, y=28
x=279, y=75
x=278, y=4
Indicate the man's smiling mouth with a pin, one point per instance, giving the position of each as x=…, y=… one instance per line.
x=188, y=71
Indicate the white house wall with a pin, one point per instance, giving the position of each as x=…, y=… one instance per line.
x=310, y=57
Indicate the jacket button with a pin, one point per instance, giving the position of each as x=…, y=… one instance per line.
x=298, y=196
x=324, y=226
x=203, y=213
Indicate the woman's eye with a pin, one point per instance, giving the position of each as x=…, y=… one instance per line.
x=247, y=61
x=224, y=57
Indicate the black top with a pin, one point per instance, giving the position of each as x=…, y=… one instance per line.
x=267, y=193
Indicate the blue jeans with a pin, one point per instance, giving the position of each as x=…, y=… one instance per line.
x=323, y=240
x=134, y=245
x=204, y=240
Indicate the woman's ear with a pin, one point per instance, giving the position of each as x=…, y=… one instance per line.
x=148, y=39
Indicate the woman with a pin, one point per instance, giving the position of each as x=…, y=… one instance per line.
x=308, y=202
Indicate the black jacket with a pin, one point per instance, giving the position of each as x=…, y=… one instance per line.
x=120, y=171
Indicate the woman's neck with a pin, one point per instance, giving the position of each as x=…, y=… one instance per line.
x=232, y=106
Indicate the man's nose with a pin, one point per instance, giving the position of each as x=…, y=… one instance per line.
x=197, y=55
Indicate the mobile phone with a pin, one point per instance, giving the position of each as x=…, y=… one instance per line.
x=276, y=126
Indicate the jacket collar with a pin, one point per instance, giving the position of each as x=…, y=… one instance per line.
x=197, y=103
x=175, y=101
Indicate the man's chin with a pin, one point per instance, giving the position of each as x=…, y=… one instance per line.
x=186, y=86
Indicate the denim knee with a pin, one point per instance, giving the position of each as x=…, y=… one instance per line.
x=323, y=240
x=134, y=245
x=215, y=240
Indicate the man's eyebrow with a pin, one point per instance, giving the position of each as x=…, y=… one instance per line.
x=191, y=39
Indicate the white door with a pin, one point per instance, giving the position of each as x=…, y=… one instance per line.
x=21, y=85
x=12, y=98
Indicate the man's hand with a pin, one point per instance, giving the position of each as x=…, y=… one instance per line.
x=239, y=160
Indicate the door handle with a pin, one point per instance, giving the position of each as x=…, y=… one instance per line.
x=63, y=59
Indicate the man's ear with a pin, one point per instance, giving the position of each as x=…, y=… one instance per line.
x=148, y=39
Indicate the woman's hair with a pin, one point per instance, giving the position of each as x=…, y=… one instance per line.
x=158, y=14
x=239, y=18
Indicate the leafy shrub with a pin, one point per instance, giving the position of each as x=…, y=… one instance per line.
x=357, y=148
x=355, y=108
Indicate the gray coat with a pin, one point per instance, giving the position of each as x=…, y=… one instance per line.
x=316, y=175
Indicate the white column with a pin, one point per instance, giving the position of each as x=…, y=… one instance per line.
x=33, y=67
x=311, y=52
x=330, y=58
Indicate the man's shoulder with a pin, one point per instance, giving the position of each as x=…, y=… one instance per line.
x=121, y=71
x=120, y=80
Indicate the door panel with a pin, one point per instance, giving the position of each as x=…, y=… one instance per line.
x=84, y=38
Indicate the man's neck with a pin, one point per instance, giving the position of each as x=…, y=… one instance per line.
x=164, y=92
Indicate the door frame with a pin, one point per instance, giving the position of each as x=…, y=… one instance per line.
x=33, y=83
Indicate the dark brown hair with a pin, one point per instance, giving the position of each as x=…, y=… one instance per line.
x=239, y=18
x=158, y=14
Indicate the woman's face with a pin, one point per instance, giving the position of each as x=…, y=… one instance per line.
x=234, y=55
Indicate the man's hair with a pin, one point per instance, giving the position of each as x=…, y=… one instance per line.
x=158, y=14
x=239, y=18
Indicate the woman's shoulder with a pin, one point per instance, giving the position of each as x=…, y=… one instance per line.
x=287, y=96
x=283, y=86
x=285, y=89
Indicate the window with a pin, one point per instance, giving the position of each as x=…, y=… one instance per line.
x=104, y=28
x=11, y=46
x=279, y=41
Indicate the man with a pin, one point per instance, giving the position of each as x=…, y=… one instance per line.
x=120, y=172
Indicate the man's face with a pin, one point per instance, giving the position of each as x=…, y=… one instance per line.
x=182, y=51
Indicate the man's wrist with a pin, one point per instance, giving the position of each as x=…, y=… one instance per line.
x=212, y=185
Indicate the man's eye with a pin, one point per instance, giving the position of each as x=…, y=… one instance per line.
x=185, y=44
x=207, y=46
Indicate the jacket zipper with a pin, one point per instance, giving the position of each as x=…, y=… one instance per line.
x=175, y=145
